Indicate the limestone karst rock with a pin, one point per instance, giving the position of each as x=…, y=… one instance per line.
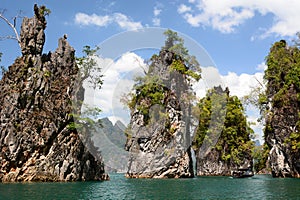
x=283, y=160
x=35, y=106
x=282, y=106
x=158, y=136
x=222, y=140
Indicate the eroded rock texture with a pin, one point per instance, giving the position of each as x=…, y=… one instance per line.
x=282, y=103
x=158, y=134
x=35, y=106
x=281, y=123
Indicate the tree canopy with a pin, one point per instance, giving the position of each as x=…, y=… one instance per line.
x=283, y=90
x=235, y=138
x=149, y=90
x=185, y=63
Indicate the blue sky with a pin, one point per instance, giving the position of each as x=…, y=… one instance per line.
x=236, y=35
x=232, y=50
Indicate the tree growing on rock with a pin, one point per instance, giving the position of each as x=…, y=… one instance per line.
x=158, y=136
x=282, y=102
x=36, y=107
x=222, y=145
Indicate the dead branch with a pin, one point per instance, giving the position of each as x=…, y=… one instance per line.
x=13, y=26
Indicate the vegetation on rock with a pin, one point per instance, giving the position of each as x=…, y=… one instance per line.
x=36, y=108
x=158, y=136
x=234, y=143
x=281, y=103
x=152, y=88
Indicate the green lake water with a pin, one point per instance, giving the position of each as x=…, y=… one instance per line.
x=257, y=187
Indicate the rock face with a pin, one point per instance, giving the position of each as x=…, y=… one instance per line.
x=283, y=160
x=35, y=106
x=158, y=136
x=212, y=164
x=282, y=102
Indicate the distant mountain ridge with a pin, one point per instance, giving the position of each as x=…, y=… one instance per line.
x=110, y=140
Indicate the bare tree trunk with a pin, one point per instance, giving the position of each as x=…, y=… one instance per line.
x=13, y=26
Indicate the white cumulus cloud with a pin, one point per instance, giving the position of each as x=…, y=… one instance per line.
x=120, y=19
x=156, y=12
x=226, y=15
x=156, y=21
x=84, y=19
x=183, y=8
x=117, y=82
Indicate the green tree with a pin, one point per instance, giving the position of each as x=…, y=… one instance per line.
x=283, y=91
x=186, y=63
x=235, y=139
x=151, y=89
x=260, y=156
x=89, y=71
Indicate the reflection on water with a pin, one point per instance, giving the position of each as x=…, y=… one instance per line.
x=257, y=187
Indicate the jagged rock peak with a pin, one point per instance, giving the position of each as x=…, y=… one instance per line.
x=158, y=136
x=32, y=33
x=36, y=103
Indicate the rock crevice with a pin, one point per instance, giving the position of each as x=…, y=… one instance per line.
x=35, y=110
x=157, y=136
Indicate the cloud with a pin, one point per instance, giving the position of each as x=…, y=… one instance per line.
x=117, y=81
x=183, y=9
x=84, y=19
x=156, y=21
x=241, y=85
x=156, y=12
x=120, y=19
x=261, y=67
x=125, y=23
x=227, y=16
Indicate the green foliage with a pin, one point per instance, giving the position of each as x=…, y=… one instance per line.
x=180, y=67
x=47, y=73
x=84, y=119
x=90, y=71
x=260, y=156
x=148, y=92
x=294, y=141
x=44, y=11
x=283, y=70
x=234, y=141
x=183, y=63
x=88, y=67
x=282, y=74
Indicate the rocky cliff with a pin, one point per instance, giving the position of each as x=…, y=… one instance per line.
x=282, y=103
x=35, y=106
x=284, y=160
x=158, y=136
x=222, y=140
